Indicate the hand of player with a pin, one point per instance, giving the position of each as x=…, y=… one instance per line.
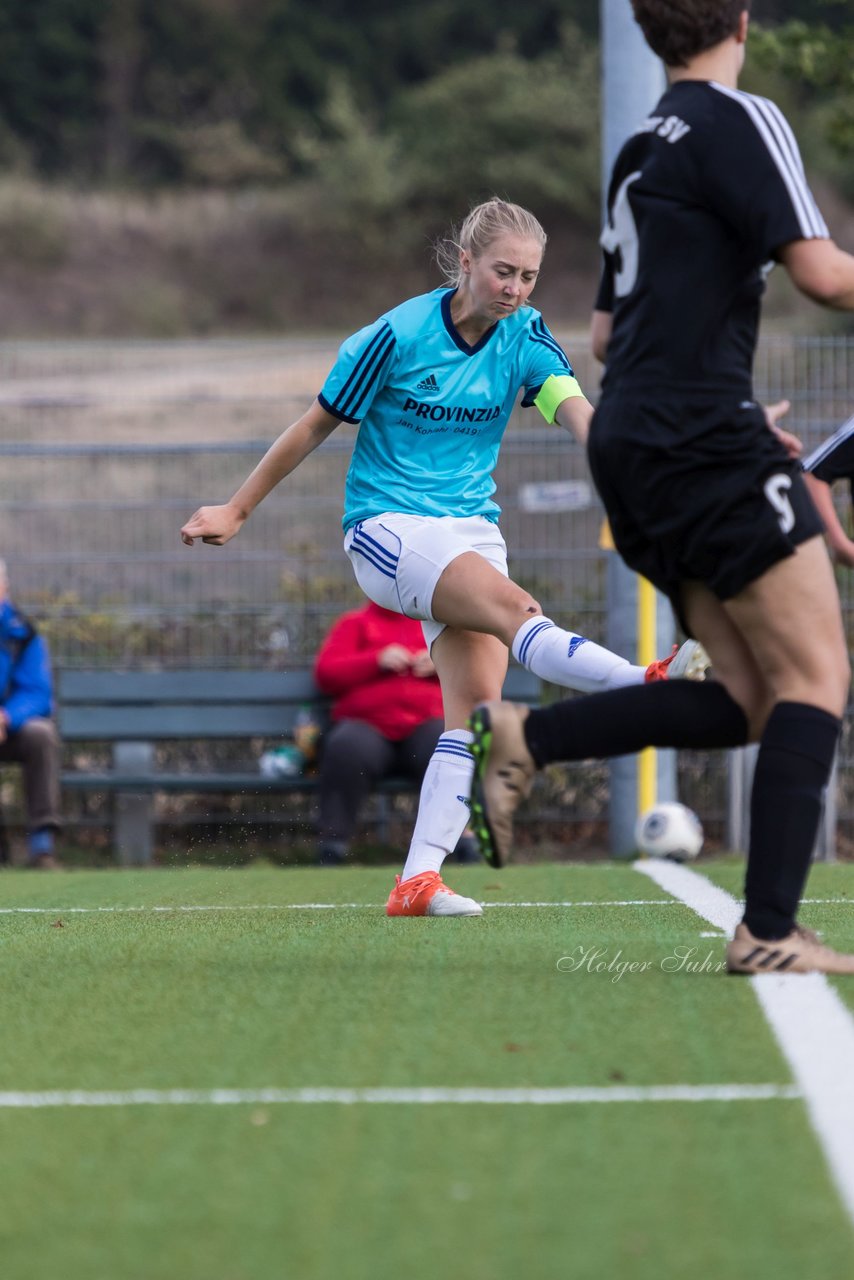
x=215, y=525
x=394, y=657
x=773, y=413
x=422, y=665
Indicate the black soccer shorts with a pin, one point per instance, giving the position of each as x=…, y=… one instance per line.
x=697, y=488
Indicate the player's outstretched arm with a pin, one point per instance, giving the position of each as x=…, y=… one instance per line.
x=601, y=324
x=821, y=270
x=217, y=525
x=574, y=415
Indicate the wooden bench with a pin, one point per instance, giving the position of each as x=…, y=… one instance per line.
x=132, y=711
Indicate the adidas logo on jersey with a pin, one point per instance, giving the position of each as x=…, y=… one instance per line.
x=429, y=383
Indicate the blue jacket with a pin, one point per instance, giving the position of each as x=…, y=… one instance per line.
x=26, y=685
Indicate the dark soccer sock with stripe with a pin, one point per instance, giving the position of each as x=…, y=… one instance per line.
x=668, y=713
x=792, y=768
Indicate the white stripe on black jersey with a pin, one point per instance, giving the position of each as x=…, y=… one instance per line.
x=775, y=132
x=703, y=195
x=822, y=452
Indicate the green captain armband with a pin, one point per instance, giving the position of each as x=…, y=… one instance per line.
x=553, y=392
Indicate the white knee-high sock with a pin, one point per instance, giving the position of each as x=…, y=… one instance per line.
x=443, y=808
x=569, y=659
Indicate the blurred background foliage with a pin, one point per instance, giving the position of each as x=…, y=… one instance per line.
x=238, y=165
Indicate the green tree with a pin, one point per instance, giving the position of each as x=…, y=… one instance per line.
x=50, y=79
x=499, y=124
x=503, y=124
x=813, y=67
x=149, y=89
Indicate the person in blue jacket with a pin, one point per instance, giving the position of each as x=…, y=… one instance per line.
x=28, y=735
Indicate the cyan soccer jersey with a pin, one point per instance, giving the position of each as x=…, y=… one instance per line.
x=432, y=410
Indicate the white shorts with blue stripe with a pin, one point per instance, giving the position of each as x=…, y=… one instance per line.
x=398, y=559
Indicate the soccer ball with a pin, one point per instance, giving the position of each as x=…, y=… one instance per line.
x=669, y=830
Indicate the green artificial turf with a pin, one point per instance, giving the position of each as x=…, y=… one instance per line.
x=251, y=993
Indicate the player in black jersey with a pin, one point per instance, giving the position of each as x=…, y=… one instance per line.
x=833, y=460
x=704, y=494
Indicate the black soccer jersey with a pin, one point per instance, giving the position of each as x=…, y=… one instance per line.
x=702, y=197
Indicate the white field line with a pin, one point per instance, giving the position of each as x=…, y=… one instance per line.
x=366, y=906
x=418, y=1097
x=314, y=906
x=812, y=1024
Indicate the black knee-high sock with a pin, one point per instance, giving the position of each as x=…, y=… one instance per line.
x=669, y=713
x=792, y=768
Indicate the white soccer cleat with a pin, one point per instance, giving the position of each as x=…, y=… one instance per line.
x=690, y=663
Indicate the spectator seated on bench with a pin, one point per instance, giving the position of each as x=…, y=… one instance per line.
x=133, y=711
x=28, y=736
x=386, y=719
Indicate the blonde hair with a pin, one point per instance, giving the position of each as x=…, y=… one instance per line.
x=484, y=224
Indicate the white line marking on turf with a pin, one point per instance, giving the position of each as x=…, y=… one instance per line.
x=313, y=906
x=419, y=1097
x=591, y=902
x=367, y=906
x=694, y=891
x=812, y=1024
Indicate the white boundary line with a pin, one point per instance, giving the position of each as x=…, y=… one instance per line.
x=367, y=906
x=313, y=906
x=421, y=1097
x=813, y=1026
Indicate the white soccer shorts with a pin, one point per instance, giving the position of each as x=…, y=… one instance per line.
x=398, y=559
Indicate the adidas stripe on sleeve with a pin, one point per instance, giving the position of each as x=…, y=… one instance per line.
x=545, y=359
x=359, y=372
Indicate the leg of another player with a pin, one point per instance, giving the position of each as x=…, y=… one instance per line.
x=791, y=619
x=733, y=663
x=510, y=743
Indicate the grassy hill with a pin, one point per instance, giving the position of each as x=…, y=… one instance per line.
x=92, y=264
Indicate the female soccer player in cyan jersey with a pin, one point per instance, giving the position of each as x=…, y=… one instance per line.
x=432, y=385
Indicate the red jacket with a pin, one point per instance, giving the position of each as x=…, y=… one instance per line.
x=347, y=668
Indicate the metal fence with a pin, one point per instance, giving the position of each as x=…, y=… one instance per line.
x=105, y=451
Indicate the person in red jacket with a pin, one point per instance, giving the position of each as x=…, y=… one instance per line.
x=387, y=716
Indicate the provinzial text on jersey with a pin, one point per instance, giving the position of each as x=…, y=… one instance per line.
x=450, y=413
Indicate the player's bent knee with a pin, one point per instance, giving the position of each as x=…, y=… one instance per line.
x=519, y=606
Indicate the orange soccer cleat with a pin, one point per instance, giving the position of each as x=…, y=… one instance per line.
x=426, y=895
